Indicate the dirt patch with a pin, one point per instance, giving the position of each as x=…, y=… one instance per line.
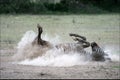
x=96, y=71
x=92, y=70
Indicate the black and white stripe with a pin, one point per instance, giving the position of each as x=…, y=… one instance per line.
x=99, y=51
x=98, y=54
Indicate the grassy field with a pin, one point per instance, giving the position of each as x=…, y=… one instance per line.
x=102, y=28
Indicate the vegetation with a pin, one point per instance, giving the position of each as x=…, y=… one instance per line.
x=65, y=6
x=102, y=28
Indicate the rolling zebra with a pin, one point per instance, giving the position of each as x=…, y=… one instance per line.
x=97, y=53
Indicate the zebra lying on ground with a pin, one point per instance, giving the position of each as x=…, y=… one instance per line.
x=38, y=47
x=97, y=53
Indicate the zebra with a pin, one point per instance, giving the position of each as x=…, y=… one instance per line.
x=97, y=53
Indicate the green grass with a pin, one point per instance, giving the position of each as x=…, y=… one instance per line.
x=116, y=67
x=102, y=28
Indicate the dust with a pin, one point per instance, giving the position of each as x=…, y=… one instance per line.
x=51, y=57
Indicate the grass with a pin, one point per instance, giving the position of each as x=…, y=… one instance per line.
x=116, y=67
x=103, y=28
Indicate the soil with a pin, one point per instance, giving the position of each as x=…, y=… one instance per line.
x=92, y=70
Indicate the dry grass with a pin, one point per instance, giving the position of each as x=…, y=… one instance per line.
x=101, y=28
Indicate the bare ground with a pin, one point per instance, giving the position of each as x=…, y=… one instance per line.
x=92, y=70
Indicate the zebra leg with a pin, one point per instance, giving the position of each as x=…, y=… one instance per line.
x=81, y=40
x=84, y=43
x=76, y=35
x=39, y=40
